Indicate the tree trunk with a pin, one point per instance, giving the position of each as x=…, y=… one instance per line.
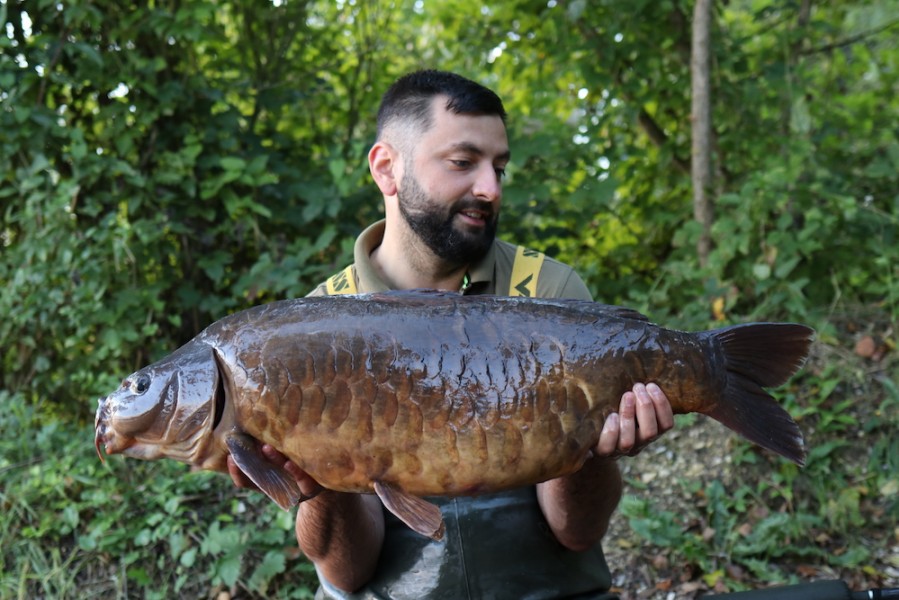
x=701, y=162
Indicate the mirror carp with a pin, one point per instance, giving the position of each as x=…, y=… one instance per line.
x=417, y=393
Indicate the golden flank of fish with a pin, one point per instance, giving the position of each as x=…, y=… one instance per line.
x=410, y=394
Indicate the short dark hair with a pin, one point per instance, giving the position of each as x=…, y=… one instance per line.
x=410, y=96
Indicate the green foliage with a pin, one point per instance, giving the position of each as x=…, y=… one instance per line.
x=154, y=179
x=162, y=167
x=805, y=151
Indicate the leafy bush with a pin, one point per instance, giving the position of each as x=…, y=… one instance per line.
x=141, y=200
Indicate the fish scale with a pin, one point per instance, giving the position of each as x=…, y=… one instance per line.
x=411, y=394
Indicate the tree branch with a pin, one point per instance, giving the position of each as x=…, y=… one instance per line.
x=647, y=123
x=658, y=137
x=701, y=135
x=850, y=40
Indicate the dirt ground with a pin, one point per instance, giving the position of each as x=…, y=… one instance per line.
x=698, y=452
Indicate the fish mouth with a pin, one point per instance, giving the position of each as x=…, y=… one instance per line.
x=173, y=417
x=102, y=435
x=108, y=432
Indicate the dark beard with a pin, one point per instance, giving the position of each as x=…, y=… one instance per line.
x=436, y=230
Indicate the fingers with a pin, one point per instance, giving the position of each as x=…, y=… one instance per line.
x=239, y=477
x=273, y=456
x=308, y=486
x=663, y=410
x=628, y=410
x=647, y=421
x=643, y=415
x=654, y=413
x=608, y=439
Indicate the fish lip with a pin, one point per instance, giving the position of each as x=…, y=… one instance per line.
x=104, y=437
x=99, y=420
x=97, y=443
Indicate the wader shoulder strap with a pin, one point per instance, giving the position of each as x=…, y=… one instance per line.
x=525, y=272
x=343, y=282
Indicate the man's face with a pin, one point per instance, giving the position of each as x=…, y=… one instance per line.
x=451, y=189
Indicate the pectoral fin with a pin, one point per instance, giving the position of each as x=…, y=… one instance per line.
x=420, y=515
x=275, y=482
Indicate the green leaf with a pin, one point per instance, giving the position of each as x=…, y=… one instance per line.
x=87, y=51
x=188, y=558
x=227, y=569
x=232, y=163
x=273, y=563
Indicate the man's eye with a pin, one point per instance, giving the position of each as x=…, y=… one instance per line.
x=462, y=164
x=500, y=173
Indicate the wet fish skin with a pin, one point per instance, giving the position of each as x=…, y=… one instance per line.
x=415, y=394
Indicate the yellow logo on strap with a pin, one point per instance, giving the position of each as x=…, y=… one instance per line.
x=343, y=282
x=525, y=271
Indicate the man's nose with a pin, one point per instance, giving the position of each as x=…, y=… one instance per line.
x=488, y=185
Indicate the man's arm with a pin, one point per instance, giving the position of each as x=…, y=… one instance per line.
x=340, y=533
x=578, y=507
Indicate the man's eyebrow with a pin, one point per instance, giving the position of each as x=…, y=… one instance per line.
x=471, y=148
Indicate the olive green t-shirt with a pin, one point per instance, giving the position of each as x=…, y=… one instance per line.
x=491, y=275
x=496, y=545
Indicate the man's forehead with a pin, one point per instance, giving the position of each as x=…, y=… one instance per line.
x=477, y=133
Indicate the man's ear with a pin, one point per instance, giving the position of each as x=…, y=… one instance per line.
x=384, y=162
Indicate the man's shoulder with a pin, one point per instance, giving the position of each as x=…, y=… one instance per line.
x=508, y=251
x=320, y=290
x=344, y=281
x=555, y=279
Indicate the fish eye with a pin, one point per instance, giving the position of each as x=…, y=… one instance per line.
x=141, y=384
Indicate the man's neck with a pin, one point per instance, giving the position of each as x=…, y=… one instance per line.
x=404, y=262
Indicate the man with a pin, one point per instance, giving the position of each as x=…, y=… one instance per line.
x=439, y=160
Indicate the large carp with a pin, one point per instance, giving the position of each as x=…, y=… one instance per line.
x=410, y=394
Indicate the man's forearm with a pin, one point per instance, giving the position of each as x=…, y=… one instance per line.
x=578, y=507
x=342, y=534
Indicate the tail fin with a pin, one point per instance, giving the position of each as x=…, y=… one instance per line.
x=758, y=355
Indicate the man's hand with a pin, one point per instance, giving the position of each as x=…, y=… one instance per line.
x=578, y=507
x=308, y=486
x=644, y=414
